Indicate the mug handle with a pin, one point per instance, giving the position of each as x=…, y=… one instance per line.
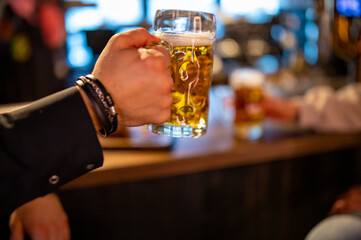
x=161, y=43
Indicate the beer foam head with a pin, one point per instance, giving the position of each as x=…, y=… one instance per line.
x=245, y=77
x=187, y=39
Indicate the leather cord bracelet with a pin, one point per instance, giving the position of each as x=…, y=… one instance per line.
x=102, y=103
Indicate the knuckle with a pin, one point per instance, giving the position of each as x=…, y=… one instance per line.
x=162, y=86
x=64, y=222
x=162, y=50
x=141, y=30
x=163, y=62
x=170, y=83
x=38, y=232
x=162, y=116
x=167, y=88
x=155, y=60
x=157, y=63
x=168, y=101
x=165, y=103
x=115, y=38
x=167, y=85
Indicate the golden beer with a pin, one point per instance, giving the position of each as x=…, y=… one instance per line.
x=247, y=85
x=192, y=79
x=189, y=37
x=191, y=68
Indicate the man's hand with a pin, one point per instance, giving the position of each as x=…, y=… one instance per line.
x=285, y=110
x=42, y=218
x=350, y=201
x=138, y=79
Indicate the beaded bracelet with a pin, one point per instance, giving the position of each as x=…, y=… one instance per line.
x=101, y=101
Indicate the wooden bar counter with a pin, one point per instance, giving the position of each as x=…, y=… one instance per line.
x=215, y=187
x=218, y=149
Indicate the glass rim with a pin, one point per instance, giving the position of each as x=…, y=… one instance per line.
x=181, y=22
x=184, y=11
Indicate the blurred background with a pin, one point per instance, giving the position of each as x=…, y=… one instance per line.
x=296, y=43
x=45, y=45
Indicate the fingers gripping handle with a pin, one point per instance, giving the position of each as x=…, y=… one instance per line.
x=161, y=43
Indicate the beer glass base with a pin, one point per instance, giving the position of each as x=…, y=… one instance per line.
x=250, y=132
x=177, y=131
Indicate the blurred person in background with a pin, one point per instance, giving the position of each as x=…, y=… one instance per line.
x=321, y=108
x=32, y=66
x=32, y=50
x=344, y=220
x=324, y=109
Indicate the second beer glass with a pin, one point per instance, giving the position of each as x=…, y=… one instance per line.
x=189, y=36
x=247, y=85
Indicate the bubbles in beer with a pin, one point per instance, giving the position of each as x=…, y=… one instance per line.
x=191, y=67
x=189, y=72
x=178, y=55
x=176, y=97
x=200, y=101
x=186, y=109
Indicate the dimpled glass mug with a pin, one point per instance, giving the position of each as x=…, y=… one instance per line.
x=189, y=36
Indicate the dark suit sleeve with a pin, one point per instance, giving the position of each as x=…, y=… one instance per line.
x=45, y=145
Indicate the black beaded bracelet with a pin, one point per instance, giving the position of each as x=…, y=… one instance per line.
x=102, y=103
x=107, y=102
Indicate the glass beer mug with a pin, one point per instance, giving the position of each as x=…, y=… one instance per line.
x=247, y=85
x=189, y=36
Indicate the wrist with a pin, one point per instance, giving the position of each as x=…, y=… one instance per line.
x=101, y=103
x=88, y=104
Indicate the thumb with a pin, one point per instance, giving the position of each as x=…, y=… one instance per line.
x=136, y=38
x=17, y=231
